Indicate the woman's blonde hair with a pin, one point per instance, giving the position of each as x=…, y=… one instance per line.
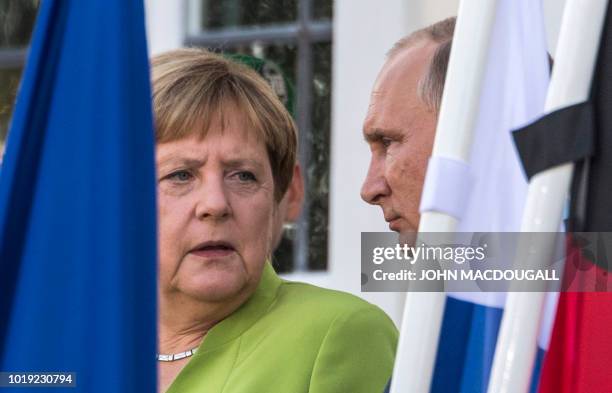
x=194, y=87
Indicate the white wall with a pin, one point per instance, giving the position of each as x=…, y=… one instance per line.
x=166, y=24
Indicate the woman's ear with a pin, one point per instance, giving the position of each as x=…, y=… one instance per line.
x=290, y=207
x=295, y=195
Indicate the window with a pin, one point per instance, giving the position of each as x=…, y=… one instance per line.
x=297, y=36
x=16, y=23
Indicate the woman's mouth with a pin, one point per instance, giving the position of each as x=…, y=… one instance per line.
x=213, y=249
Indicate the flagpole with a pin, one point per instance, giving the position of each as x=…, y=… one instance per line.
x=423, y=311
x=546, y=195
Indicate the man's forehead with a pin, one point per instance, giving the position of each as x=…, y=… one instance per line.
x=395, y=94
x=406, y=65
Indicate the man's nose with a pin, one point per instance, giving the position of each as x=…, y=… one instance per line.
x=213, y=201
x=375, y=185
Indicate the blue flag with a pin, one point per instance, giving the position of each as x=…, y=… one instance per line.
x=513, y=94
x=77, y=203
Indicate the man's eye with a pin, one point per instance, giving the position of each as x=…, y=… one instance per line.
x=386, y=142
x=245, y=176
x=180, y=176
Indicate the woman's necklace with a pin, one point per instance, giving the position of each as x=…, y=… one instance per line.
x=175, y=356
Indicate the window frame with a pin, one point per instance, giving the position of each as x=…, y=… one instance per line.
x=12, y=58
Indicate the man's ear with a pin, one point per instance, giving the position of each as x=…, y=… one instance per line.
x=295, y=195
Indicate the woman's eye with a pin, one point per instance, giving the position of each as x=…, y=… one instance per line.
x=245, y=176
x=180, y=176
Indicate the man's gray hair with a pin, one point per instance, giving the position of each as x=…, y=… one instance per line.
x=431, y=85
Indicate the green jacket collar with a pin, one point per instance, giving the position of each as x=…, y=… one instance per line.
x=246, y=315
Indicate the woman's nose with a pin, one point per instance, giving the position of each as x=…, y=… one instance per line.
x=213, y=202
